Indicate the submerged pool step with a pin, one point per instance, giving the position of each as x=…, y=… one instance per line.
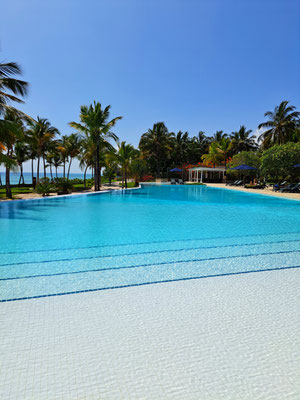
x=110, y=278
x=143, y=259
x=107, y=251
x=60, y=284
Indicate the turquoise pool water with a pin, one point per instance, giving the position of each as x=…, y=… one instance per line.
x=155, y=234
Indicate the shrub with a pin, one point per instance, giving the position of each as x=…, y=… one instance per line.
x=147, y=178
x=278, y=161
x=44, y=187
x=63, y=186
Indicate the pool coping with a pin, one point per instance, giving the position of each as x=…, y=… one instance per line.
x=17, y=201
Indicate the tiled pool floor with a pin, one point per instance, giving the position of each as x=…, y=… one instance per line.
x=231, y=337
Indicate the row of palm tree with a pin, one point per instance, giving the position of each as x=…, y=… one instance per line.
x=163, y=149
x=97, y=147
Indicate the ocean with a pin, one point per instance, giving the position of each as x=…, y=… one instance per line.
x=15, y=176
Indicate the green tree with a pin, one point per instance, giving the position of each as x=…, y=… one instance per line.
x=156, y=144
x=278, y=161
x=10, y=88
x=281, y=125
x=138, y=169
x=11, y=130
x=95, y=125
x=22, y=154
x=41, y=133
x=242, y=141
x=125, y=154
x=74, y=143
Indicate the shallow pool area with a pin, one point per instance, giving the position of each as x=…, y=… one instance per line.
x=154, y=234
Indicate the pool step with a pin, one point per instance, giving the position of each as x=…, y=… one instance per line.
x=141, y=269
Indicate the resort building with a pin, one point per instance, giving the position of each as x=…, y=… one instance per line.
x=202, y=173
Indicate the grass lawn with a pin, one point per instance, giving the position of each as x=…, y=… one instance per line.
x=15, y=191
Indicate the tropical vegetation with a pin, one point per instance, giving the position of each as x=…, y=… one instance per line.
x=94, y=143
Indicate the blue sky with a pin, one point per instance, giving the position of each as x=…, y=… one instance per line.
x=196, y=65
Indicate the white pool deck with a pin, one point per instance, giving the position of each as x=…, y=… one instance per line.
x=231, y=337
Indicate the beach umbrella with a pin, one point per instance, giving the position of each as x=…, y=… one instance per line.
x=176, y=170
x=244, y=167
x=296, y=166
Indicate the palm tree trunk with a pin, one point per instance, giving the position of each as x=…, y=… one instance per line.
x=32, y=171
x=84, y=176
x=51, y=171
x=125, y=176
x=97, y=165
x=100, y=177
x=56, y=171
x=64, y=167
x=0, y=180
x=38, y=170
x=69, y=168
x=7, y=183
x=44, y=167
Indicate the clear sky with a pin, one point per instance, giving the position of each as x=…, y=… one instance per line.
x=194, y=64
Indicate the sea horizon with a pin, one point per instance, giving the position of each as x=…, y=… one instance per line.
x=15, y=176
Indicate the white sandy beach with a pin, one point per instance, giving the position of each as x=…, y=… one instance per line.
x=233, y=338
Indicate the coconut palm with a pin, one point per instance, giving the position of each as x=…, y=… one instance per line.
x=281, y=125
x=126, y=153
x=242, y=141
x=11, y=130
x=74, y=143
x=10, y=88
x=198, y=146
x=22, y=154
x=155, y=144
x=224, y=147
x=95, y=125
x=41, y=132
x=218, y=136
x=138, y=168
x=214, y=156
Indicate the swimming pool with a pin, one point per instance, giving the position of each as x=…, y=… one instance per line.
x=155, y=234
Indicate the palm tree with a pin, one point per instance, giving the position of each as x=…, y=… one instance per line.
x=241, y=140
x=95, y=125
x=74, y=143
x=224, y=147
x=124, y=156
x=138, y=168
x=11, y=129
x=218, y=136
x=22, y=154
x=156, y=143
x=281, y=125
x=198, y=146
x=214, y=156
x=10, y=87
x=62, y=146
x=41, y=132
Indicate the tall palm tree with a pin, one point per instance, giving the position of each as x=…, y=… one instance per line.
x=281, y=125
x=198, y=146
x=155, y=144
x=95, y=125
x=181, y=141
x=224, y=147
x=41, y=132
x=62, y=146
x=241, y=140
x=213, y=156
x=11, y=88
x=74, y=143
x=22, y=154
x=11, y=129
x=218, y=136
x=124, y=156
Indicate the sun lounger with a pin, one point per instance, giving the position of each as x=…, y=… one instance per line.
x=173, y=182
x=180, y=181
